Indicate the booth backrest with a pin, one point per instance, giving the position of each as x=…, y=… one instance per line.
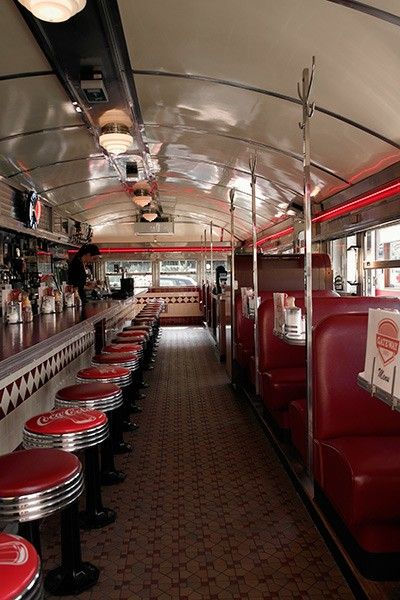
x=275, y=354
x=244, y=326
x=324, y=307
x=341, y=407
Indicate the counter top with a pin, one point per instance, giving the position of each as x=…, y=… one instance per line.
x=26, y=342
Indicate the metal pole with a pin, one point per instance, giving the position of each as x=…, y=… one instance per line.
x=308, y=111
x=205, y=255
x=211, y=254
x=232, y=211
x=253, y=164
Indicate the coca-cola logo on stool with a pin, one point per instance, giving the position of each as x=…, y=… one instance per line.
x=387, y=340
x=13, y=553
x=76, y=415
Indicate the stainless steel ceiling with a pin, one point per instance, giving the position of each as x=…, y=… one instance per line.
x=216, y=81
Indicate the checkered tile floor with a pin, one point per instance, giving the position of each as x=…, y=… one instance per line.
x=206, y=513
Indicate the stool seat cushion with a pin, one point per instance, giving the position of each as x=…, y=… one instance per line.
x=129, y=340
x=66, y=420
x=112, y=348
x=116, y=357
x=32, y=471
x=88, y=391
x=103, y=372
x=132, y=334
x=19, y=566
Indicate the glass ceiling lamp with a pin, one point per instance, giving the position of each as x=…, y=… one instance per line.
x=142, y=201
x=150, y=216
x=54, y=11
x=115, y=138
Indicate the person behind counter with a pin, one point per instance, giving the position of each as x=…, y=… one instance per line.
x=76, y=267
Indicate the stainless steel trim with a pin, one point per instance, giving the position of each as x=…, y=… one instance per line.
x=30, y=507
x=71, y=442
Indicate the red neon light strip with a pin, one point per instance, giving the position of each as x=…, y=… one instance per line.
x=381, y=193
x=162, y=250
x=275, y=236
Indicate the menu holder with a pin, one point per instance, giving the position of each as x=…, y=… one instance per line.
x=382, y=357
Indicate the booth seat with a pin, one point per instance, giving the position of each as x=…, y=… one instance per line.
x=322, y=308
x=245, y=330
x=356, y=438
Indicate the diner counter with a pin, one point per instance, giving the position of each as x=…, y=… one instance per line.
x=22, y=343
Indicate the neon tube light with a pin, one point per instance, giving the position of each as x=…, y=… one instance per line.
x=275, y=236
x=381, y=193
x=163, y=250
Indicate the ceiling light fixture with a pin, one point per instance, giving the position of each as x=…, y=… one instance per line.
x=54, y=11
x=142, y=201
x=150, y=216
x=115, y=138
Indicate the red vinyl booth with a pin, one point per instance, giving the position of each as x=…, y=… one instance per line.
x=356, y=438
x=322, y=308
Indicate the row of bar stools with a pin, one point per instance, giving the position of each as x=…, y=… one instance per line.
x=73, y=429
x=20, y=572
x=34, y=484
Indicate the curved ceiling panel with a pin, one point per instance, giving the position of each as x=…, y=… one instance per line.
x=390, y=6
x=25, y=153
x=19, y=51
x=284, y=172
x=65, y=173
x=85, y=192
x=236, y=44
x=341, y=148
x=38, y=110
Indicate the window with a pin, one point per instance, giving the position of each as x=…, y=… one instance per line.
x=174, y=273
x=383, y=244
x=140, y=270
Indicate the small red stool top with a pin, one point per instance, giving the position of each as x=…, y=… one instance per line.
x=134, y=331
x=108, y=372
x=113, y=358
x=112, y=348
x=133, y=335
x=32, y=471
x=19, y=566
x=88, y=391
x=66, y=420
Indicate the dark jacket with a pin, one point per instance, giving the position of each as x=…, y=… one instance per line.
x=77, y=276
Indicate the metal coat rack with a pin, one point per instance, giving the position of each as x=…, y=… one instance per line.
x=304, y=92
x=253, y=166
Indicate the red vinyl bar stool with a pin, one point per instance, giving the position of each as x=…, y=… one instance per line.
x=137, y=349
x=130, y=361
x=134, y=337
x=34, y=484
x=106, y=397
x=122, y=378
x=73, y=429
x=20, y=572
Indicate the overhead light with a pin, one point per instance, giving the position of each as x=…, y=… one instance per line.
x=54, y=11
x=150, y=216
x=115, y=138
x=142, y=201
